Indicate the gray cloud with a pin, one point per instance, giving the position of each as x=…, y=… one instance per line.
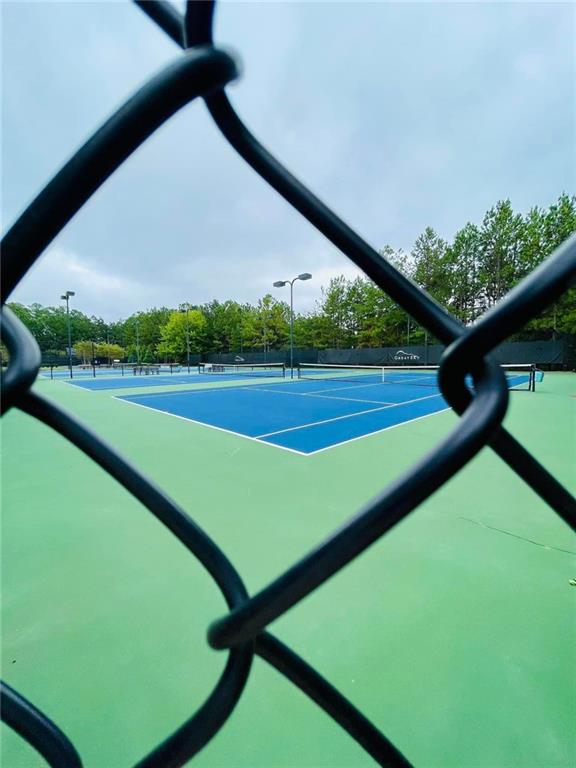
x=397, y=115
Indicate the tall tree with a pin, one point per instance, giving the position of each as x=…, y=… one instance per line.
x=462, y=260
x=335, y=308
x=499, y=257
x=430, y=265
x=545, y=231
x=182, y=328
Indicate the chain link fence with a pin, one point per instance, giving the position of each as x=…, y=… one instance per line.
x=202, y=71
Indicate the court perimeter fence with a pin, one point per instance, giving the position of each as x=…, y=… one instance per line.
x=552, y=355
x=202, y=71
x=558, y=355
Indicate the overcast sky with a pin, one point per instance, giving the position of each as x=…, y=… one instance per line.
x=398, y=115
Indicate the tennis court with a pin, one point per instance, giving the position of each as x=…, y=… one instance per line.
x=324, y=407
x=164, y=376
x=396, y=585
x=456, y=625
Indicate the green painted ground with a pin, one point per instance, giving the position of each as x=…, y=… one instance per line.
x=456, y=633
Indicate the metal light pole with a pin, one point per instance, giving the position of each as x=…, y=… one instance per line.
x=137, y=342
x=184, y=308
x=66, y=297
x=281, y=284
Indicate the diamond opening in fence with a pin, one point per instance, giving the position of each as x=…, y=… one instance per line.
x=273, y=496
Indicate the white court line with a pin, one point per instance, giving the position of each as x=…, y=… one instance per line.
x=210, y=426
x=200, y=391
x=346, y=416
x=349, y=386
x=72, y=383
x=348, y=399
x=64, y=380
x=325, y=397
x=370, y=434
x=426, y=381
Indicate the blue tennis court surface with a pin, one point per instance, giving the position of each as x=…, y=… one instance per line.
x=301, y=415
x=109, y=378
x=158, y=380
x=127, y=382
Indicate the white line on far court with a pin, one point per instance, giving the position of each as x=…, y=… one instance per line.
x=325, y=397
x=337, y=389
x=346, y=416
x=371, y=434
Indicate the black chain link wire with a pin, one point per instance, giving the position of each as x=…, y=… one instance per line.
x=203, y=71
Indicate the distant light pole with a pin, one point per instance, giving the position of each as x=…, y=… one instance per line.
x=137, y=341
x=185, y=308
x=281, y=284
x=66, y=297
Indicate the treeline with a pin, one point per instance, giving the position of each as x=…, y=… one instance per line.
x=467, y=275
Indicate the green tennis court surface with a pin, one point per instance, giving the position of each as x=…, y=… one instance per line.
x=454, y=633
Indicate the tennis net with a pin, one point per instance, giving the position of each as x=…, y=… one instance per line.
x=520, y=376
x=244, y=369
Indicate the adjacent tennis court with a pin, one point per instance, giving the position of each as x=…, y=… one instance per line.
x=133, y=376
x=327, y=405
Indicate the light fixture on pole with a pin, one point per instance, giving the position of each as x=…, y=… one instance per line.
x=281, y=284
x=66, y=297
x=185, y=308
